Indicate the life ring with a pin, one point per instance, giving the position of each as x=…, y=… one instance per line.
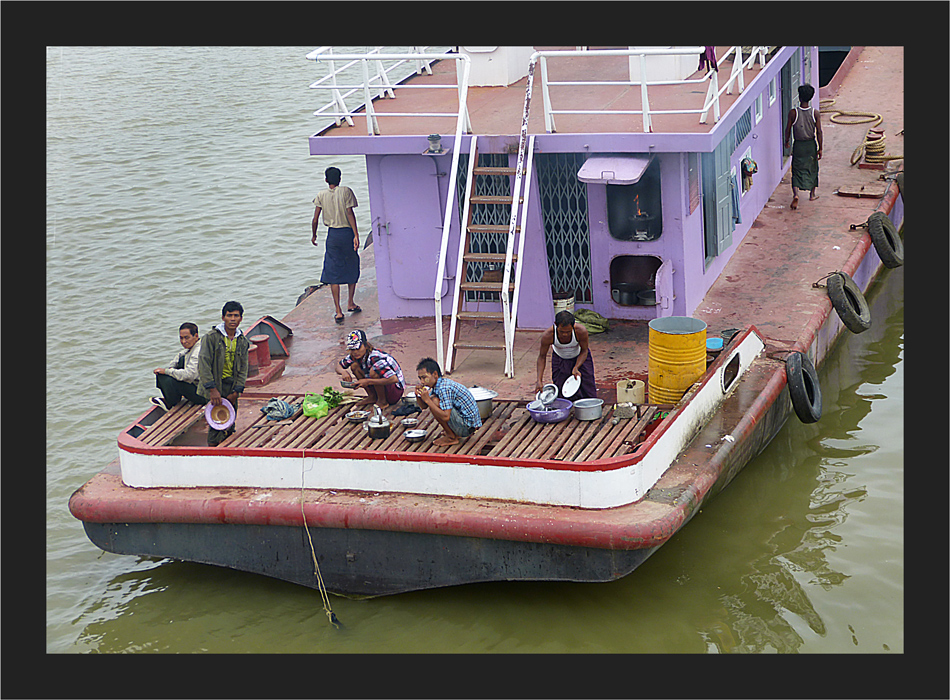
x=849, y=303
x=803, y=387
x=889, y=247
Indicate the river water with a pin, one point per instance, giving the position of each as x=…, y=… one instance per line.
x=179, y=178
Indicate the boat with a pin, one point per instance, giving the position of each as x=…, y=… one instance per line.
x=624, y=182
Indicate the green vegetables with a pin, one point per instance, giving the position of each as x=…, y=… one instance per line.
x=332, y=396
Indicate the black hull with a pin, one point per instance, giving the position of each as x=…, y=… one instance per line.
x=365, y=563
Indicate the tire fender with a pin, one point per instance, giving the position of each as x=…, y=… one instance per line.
x=848, y=302
x=889, y=247
x=803, y=387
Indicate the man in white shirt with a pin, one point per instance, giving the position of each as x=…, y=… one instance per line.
x=341, y=259
x=180, y=379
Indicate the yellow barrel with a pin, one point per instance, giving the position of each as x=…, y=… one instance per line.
x=677, y=356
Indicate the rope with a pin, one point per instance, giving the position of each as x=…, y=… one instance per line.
x=324, y=595
x=872, y=148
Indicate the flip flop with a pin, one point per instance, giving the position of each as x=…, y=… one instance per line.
x=355, y=310
x=339, y=319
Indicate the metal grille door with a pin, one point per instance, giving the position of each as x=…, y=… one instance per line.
x=566, y=230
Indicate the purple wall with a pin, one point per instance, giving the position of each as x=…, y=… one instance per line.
x=407, y=192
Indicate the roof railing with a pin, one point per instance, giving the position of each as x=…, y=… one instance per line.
x=371, y=86
x=713, y=92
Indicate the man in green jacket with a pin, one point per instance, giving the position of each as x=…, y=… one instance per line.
x=222, y=364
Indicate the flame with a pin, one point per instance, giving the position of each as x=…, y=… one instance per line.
x=636, y=202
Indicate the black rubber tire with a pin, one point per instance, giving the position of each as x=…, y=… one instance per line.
x=889, y=247
x=849, y=303
x=803, y=387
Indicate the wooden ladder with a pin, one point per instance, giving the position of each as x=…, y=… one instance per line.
x=502, y=262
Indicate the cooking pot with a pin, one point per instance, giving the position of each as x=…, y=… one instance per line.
x=646, y=297
x=378, y=425
x=483, y=398
x=414, y=435
x=588, y=409
x=624, y=293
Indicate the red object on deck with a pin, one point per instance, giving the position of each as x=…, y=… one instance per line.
x=263, y=349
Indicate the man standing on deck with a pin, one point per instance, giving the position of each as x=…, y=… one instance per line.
x=222, y=365
x=570, y=341
x=805, y=123
x=341, y=258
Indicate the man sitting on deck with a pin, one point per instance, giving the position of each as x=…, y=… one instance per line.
x=180, y=378
x=374, y=370
x=452, y=404
x=571, y=356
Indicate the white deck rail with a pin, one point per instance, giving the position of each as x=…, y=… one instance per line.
x=713, y=91
x=462, y=124
x=378, y=84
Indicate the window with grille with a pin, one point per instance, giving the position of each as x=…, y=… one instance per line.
x=742, y=128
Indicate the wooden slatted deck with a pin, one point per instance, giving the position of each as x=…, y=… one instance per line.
x=509, y=432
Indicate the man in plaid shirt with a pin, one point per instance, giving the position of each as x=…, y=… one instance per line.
x=372, y=369
x=451, y=403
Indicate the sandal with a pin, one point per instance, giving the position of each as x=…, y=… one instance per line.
x=338, y=319
x=355, y=310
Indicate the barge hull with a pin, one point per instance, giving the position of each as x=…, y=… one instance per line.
x=365, y=563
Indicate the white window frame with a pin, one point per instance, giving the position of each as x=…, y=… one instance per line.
x=773, y=90
x=757, y=112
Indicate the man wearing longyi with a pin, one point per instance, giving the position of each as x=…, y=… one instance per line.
x=571, y=356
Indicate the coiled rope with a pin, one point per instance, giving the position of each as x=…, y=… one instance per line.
x=872, y=148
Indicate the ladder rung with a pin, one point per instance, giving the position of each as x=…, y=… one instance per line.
x=481, y=315
x=487, y=257
x=486, y=170
x=484, y=345
x=490, y=199
x=485, y=286
x=490, y=228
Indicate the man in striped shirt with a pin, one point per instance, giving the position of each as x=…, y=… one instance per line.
x=452, y=404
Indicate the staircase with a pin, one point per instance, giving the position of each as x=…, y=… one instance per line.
x=503, y=277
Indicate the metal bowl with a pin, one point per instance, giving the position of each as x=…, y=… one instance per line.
x=557, y=410
x=415, y=435
x=410, y=398
x=347, y=385
x=357, y=416
x=410, y=422
x=588, y=409
x=547, y=394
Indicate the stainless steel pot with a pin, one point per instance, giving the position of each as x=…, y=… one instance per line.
x=624, y=294
x=588, y=409
x=483, y=398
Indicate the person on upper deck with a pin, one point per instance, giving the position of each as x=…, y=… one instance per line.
x=223, y=364
x=571, y=355
x=341, y=258
x=452, y=404
x=180, y=378
x=805, y=123
x=372, y=369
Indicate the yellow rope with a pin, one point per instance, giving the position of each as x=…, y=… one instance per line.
x=324, y=595
x=872, y=148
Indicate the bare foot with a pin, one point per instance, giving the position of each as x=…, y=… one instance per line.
x=813, y=197
x=794, y=202
x=445, y=441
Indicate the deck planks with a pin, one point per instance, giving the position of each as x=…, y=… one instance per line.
x=509, y=433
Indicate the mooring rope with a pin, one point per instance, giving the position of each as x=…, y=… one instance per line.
x=324, y=595
x=872, y=148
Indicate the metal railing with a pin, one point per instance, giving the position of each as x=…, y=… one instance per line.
x=462, y=123
x=713, y=92
x=371, y=86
